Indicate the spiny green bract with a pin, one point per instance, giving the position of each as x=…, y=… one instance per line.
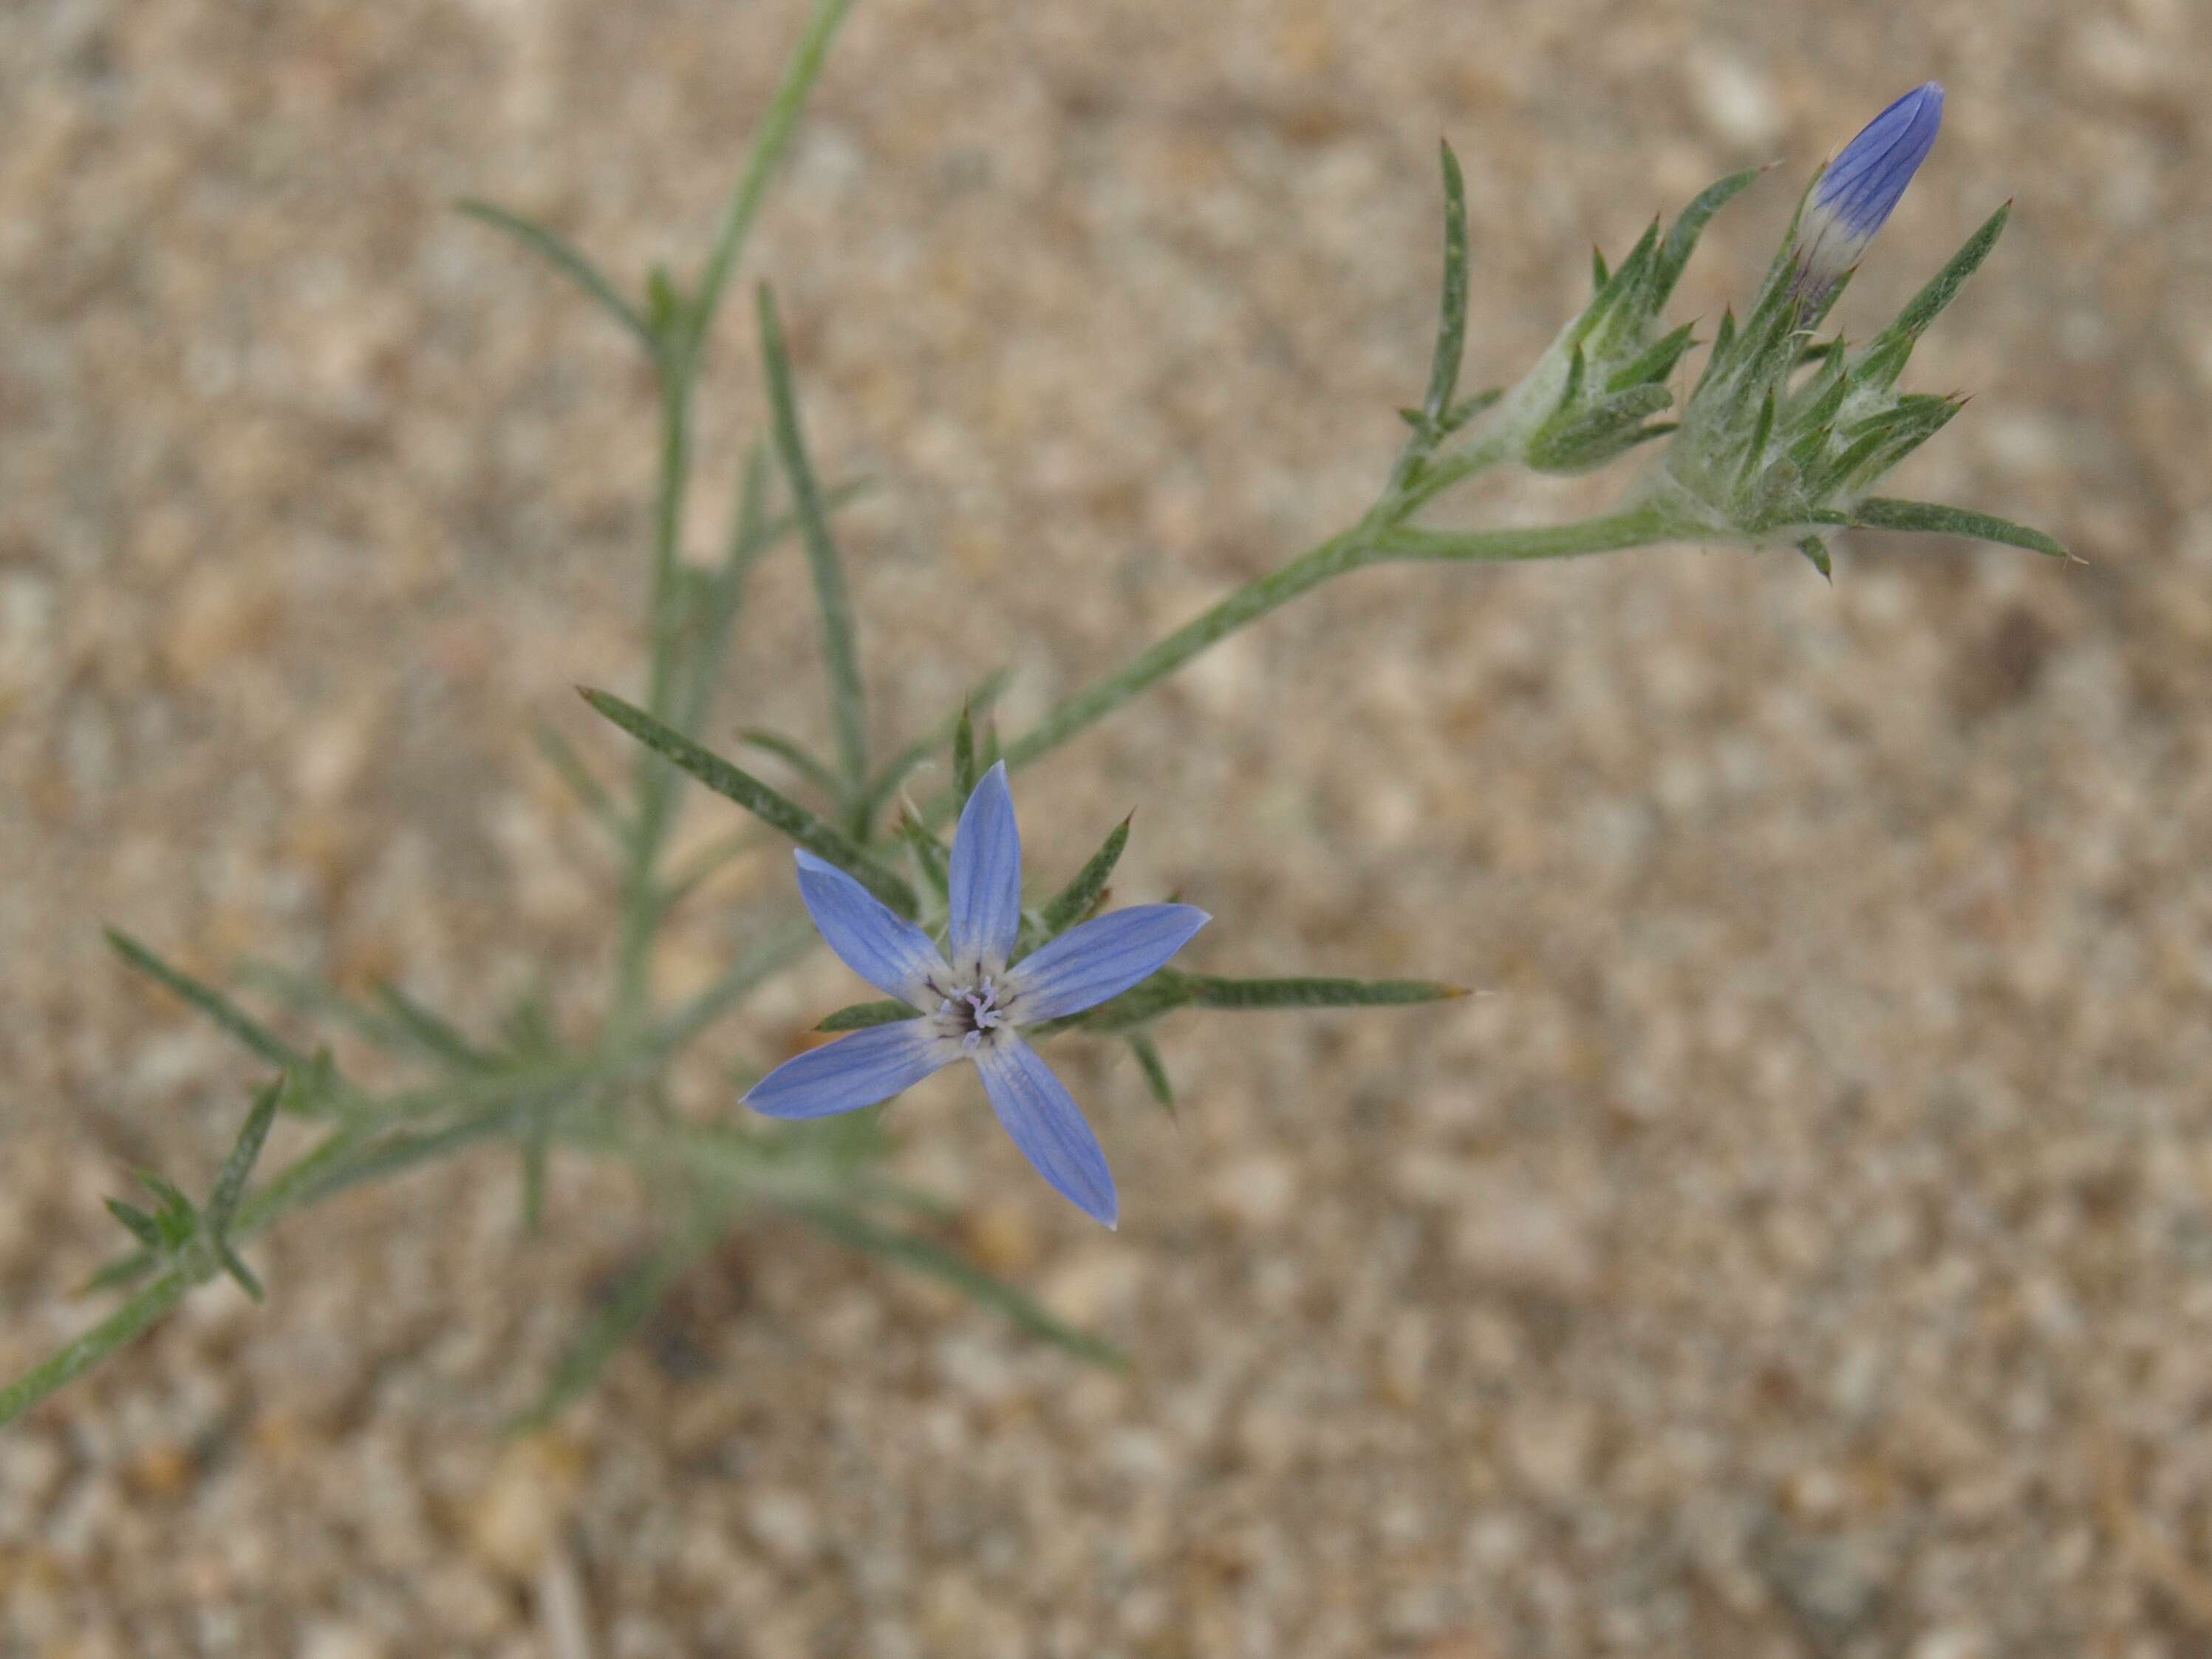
x=1785, y=435
x=1592, y=394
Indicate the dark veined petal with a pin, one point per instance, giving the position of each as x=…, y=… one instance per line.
x=1865, y=181
x=854, y=1071
x=986, y=875
x=1046, y=1123
x=1857, y=190
x=874, y=941
x=1097, y=959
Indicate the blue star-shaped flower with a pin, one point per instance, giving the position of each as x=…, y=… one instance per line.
x=974, y=1005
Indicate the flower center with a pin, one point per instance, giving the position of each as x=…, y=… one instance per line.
x=971, y=1012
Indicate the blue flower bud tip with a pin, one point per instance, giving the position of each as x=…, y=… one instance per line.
x=1857, y=190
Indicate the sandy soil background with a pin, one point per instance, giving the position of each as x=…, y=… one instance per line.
x=1806, y=1249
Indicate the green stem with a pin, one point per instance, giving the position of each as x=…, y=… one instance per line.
x=1632, y=527
x=1366, y=543
x=800, y=71
x=655, y=780
x=346, y=1157
x=1497, y=442
x=1332, y=557
x=126, y=1324
x=677, y=362
x=357, y=1152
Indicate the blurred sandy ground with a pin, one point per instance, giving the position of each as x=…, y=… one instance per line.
x=1808, y=1248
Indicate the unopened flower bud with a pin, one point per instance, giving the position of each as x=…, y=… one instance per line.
x=1856, y=191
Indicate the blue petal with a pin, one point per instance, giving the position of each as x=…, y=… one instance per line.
x=874, y=940
x=1857, y=190
x=1097, y=959
x=1046, y=1123
x=854, y=1071
x=1862, y=183
x=986, y=875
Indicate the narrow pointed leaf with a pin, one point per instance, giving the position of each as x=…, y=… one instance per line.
x=752, y=534
x=1074, y=902
x=1816, y=550
x=570, y=262
x=142, y=1226
x=1886, y=512
x=174, y=1203
x=1927, y=305
x=1656, y=362
x=230, y=1182
x=145, y=1309
x=963, y=755
x=928, y=853
x=241, y=1025
x=1853, y=459
x=1451, y=321
x=404, y=1151
x=1597, y=433
x=1805, y=453
x=770, y=807
x=771, y=136
x=1887, y=440
x=1769, y=346
x=1720, y=360
x=1618, y=287
x=1470, y=406
x=1154, y=1068
x=1635, y=272
x=1170, y=988
x=303, y=994
x=1682, y=236
x=1883, y=361
x=431, y=1032
x=232, y=1264
x=1754, y=456
x=1310, y=991
x=840, y=652
x=1823, y=395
